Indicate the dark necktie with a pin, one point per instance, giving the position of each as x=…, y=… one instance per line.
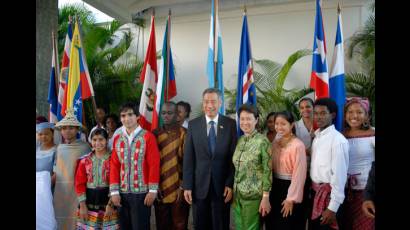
x=212, y=137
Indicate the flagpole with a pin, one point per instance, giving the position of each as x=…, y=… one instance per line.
x=168, y=53
x=55, y=58
x=249, y=38
x=215, y=35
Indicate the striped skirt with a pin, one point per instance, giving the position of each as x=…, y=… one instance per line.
x=96, y=200
x=353, y=216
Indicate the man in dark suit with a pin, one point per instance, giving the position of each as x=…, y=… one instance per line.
x=207, y=168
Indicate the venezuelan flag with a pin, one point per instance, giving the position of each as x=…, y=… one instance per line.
x=79, y=85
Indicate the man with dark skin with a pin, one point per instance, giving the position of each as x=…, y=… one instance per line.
x=171, y=210
x=330, y=160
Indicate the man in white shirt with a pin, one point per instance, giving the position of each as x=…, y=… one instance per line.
x=329, y=164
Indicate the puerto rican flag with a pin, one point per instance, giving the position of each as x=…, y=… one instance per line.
x=149, y=77
x=319, y=80
x=63, y=78
x=337, y=75
x=246, y=92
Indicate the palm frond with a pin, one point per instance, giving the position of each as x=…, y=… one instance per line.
x=288, y=65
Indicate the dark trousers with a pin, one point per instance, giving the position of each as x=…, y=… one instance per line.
x=133, y=214
x=275, y=219
x=211, y=213
x=315, y=224
x=172, y=216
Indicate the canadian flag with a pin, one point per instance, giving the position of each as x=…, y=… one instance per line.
x=149, y=76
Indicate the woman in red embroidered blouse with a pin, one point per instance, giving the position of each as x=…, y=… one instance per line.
x=92, y=186
x=289, y=174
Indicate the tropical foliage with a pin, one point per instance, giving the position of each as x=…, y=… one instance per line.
x=270, y=78
x=114, y=82
x=362, y=48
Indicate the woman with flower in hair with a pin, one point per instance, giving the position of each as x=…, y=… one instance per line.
x=361, y=137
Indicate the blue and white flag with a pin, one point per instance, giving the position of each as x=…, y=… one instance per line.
x=337, y=75
x=246, y=92
x=215, y=55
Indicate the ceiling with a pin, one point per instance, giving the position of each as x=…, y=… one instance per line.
x=126, y=10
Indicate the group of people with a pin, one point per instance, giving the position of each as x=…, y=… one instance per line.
x=297, y=174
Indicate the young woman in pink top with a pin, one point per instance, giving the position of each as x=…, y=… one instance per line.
x=289, y=174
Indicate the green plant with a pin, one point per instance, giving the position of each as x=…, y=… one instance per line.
x=362, y=47
x=269, y=79
x=114, y=82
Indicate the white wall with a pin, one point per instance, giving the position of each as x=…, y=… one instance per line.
x=276, y=31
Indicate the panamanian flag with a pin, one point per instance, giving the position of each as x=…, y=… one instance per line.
x=337, y=75
x=319, y=80
x=246, y=92
x=215, y=55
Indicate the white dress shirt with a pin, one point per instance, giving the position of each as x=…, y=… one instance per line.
x=131, y=135
x=208, y=126
x=329, y=163
x=185, y=124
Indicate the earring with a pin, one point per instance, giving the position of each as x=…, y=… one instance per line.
x=366, y=125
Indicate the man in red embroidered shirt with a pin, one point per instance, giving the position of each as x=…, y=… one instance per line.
x=134, y=171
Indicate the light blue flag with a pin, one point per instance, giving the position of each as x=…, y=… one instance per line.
x=215, y=55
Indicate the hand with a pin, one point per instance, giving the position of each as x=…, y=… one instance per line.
x=180, y=194
x=53, y=179
x=227, y=194
x=149, y=198
x=108, y=210
x=116, y=200
x=328, y=217
x=264, y=207
x=369, y=208
x=83, y=211
x=188, y=196
x=287, y=208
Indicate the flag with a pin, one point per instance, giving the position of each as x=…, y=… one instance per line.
x=52, y=88
x=246, y=92
x=319, y=80
x=78, y=86
x=149, y=78
x=215, y=55
x=337, y=75
x=166, y=86
x=65, y=63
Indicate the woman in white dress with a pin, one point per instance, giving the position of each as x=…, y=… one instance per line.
x=361, y=137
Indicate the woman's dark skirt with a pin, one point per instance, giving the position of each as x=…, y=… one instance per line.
x=275, y=219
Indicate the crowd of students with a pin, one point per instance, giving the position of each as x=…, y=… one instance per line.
x=297, y=174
